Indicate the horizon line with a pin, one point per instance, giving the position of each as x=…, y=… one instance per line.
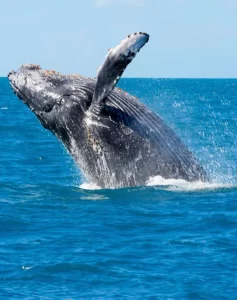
x=164, y=77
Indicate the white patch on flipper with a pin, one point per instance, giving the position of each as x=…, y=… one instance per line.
x=132, y=44
x=113, y=67
x=98, y=70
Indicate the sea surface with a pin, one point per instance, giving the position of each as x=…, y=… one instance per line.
x=63, y=238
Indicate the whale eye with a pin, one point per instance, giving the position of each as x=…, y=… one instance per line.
x=67, y=94
x=48, y=106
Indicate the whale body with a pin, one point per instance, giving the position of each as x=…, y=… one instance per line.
x=114, y=138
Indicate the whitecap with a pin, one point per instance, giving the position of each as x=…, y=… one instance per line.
x=25, y=268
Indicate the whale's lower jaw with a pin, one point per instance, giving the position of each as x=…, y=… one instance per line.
x=17, y=92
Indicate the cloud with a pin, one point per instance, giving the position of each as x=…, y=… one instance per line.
x=131, y=3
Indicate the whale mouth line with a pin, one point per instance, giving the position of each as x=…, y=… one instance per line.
x=27, y=101
x=20, y=95
x=17, y=91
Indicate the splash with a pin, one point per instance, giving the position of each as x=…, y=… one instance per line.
x=179, y=185
x=89, y=186
x=183, y=185
x=204, y=116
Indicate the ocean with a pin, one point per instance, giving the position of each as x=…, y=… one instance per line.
x=63, y=238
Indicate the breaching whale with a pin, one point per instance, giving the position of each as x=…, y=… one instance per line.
x=114, y=138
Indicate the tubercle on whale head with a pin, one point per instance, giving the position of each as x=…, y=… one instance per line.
x=44, y=91
x=32, y=71
x=32, y=66
x=30, y=82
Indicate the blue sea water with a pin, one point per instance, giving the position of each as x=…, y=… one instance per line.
x=170, y=240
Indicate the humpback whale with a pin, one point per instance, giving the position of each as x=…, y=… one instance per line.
x=114, y=138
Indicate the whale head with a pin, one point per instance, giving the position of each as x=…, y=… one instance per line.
x=54, y=98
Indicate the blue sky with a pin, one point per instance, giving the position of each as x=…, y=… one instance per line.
x=188, y=38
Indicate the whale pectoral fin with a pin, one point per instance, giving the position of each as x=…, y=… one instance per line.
x=115, y=63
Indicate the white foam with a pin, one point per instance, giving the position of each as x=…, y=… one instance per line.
x=94, y=197
x=172, y=184
x=89, y=186
x=183, y=185
x=25, y=268
x=4, y=108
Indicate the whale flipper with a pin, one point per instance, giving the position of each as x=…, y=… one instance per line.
x=113, y=67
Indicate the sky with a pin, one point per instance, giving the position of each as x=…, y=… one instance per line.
x=188, y=38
